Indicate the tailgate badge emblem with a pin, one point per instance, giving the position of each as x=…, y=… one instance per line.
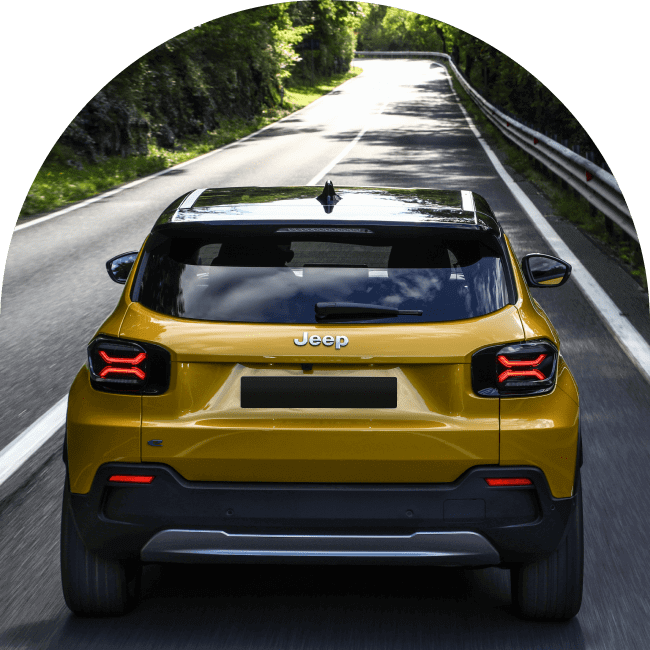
x=337, y=341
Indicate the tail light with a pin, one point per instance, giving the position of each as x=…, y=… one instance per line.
x=121, y=366
x=132, y=478
x=515, y=370
x=507, y=482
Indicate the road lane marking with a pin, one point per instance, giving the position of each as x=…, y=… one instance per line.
x=327, y=169
x=19, y=450
x=627, y=336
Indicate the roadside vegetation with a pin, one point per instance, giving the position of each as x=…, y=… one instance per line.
x=58, y=184
x=206, y=87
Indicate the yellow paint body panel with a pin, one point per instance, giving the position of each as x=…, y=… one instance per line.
x=543, y=431
x=204, y=341
x=101, y=428
x=438, y=430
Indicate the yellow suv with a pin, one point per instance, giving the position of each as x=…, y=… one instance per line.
x=359, y=376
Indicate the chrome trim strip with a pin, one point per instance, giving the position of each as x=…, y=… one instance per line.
x=191, y=199
x=448, y=548
x=467, y=198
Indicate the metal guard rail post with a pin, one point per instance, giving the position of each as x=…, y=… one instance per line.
x=596, y=185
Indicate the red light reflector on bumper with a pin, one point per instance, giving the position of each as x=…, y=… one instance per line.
x=494, y=482
x=126, y=478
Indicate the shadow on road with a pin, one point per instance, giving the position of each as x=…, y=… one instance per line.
x=307, y=606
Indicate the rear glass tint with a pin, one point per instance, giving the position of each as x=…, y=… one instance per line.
x=281, y=279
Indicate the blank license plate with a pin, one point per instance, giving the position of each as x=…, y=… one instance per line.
x=319, y=392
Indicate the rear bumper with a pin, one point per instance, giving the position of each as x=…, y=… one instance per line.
x=454, y=548
x=464, y=523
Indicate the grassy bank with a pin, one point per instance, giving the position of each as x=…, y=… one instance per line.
x=58, y=185
x=564, y=201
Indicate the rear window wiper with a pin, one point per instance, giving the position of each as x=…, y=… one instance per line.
x=327, y=309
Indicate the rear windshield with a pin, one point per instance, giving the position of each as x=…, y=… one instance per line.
x=281, y=280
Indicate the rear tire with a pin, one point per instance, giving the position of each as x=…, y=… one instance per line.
x=93, y=585
x=551, y=589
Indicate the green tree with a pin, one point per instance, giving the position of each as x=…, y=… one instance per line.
x=370, y=32
x=230, y=67
x=393, y=29
x=330, y=45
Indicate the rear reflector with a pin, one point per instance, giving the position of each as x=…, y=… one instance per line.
x=125, y=478
x=493, y=482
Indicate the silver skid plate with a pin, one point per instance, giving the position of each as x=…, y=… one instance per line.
x=456, y=548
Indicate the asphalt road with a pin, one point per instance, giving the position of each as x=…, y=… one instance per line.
x=56, y=294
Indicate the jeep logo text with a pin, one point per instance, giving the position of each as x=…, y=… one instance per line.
x=337, y=341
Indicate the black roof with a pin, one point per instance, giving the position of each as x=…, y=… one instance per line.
x=310, y=206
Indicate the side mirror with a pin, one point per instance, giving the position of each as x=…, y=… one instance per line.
x=119, y=267
x=545, y=271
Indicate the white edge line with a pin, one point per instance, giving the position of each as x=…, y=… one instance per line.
x=18, y=451
x=627, y=336
x=121, y=188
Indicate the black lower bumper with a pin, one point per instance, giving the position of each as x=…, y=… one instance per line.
x=224, y=521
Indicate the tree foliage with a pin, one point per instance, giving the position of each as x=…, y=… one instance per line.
x=330, y=46
x=234, y=66
x=395, y=30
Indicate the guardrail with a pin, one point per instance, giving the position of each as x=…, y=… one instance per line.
x=596, y=185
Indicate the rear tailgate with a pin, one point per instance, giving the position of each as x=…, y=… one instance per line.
x=436, y=429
